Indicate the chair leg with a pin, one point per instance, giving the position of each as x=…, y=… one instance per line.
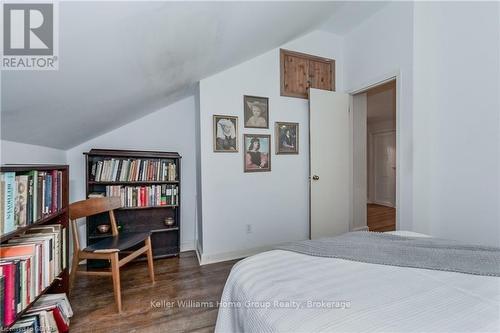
x=115, y=269
x=150, y=260
x=74, y=268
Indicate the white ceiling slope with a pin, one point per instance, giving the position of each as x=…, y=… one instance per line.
x=122, y=60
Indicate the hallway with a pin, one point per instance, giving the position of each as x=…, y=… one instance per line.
x=381, y=218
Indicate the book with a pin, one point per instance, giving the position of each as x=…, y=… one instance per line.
x=29, y=205
x=9, y=196
x=2, y=205
x=2, y=295
x=21, y=201
x=34, y=195
x=9, y=307
x=48, y=194
x=40, y=196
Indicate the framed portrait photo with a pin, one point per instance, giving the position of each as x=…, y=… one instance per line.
x=287, y=138
x=256, y=112
x=257, y=152
x=225, y=134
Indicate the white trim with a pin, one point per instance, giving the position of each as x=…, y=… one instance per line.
x=394, y=75
x=383, y=203
x=365, y=228
x=375, y=82
x=199, y=252
x=225, y=256
x=188, y=246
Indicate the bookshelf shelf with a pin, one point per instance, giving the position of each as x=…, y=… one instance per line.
x=133, y=183
x=43, y=220
x=60, y=284
x=100, y=236
x=148, y=207
x=165, y=229
x=106, y=170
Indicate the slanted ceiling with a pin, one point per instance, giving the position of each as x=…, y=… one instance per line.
x=119, y=61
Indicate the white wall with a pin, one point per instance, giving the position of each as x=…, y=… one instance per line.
x=378, y=48
x=275, y=203
x=22, y=153
x=169, y=129
x=457, y=89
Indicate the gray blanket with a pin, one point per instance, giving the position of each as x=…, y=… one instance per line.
x=417, y=252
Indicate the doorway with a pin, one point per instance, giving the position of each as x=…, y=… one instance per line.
x=374, y=157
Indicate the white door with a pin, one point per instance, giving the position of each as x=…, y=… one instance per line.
x=384, y=151
x=329, y=149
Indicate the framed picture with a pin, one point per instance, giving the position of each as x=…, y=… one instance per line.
x=287, y=138
x=256, y=113
x=257, y=152
x=225, y=134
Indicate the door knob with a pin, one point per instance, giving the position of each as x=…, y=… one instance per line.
x=315, y=177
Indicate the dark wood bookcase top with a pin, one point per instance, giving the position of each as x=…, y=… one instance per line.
x=61, y=283
x=144, y=154
x=165, y=239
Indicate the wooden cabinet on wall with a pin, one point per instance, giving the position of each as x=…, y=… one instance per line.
x=300, y=71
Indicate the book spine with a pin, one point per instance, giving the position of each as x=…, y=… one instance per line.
x=29, y=210
x=93, y=170
x=17, y=289
x=2, y=297
x=55, y=194
x=60, y=189
x=10, y=196
x=48, y=193
x=9, y=295
x=40, y=196
x=2, y=204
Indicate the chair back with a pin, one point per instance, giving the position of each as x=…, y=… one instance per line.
x=93, y=206
x=89, y=207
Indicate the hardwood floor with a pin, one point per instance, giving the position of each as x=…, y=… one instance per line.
x=147, y=308
x=381, y=218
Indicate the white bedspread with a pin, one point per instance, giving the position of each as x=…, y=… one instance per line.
x=351, y=296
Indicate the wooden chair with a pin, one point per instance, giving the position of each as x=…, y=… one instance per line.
x=109, y=248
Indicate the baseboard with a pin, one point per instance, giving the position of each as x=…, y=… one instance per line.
x=188, y=246
x=225, y=256
x=365, y=228
x=198, y=252
x=382, y=203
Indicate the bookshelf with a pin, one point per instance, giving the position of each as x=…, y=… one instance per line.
x=146, y=185
x=58, y=214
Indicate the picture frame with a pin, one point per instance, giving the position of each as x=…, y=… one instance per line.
x=225, y=134
x=255, y=112
x=257, y=158
x=286, y=136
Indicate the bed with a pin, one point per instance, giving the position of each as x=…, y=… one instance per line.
x=283, y=291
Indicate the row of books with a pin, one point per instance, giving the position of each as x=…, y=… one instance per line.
x=26, y=198
x=122, y=170
x=50, y=313
x=29, y=263
x=143, y=196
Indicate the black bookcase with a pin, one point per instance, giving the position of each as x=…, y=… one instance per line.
x=165, y=239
